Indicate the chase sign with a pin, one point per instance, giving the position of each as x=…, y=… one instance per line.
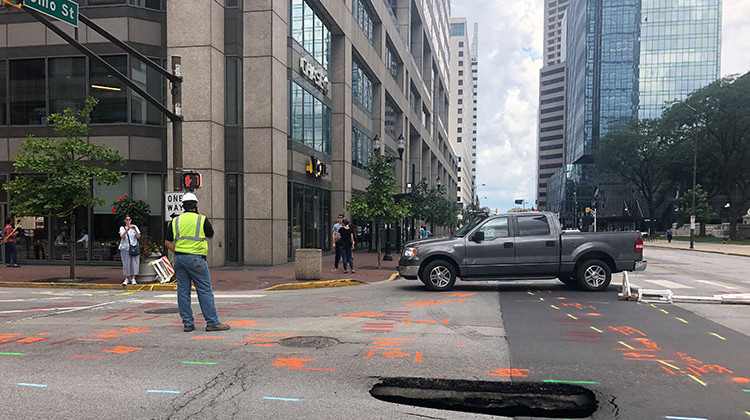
x=314, y=75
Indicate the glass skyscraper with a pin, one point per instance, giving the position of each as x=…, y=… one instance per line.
x=625, y=58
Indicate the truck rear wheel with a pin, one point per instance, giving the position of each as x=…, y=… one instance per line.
x=593, y=275
x=439, y=275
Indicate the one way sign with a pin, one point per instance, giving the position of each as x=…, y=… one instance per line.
x=172, y=204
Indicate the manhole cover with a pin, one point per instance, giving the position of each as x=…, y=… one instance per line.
x=309, y=342
x=173, y=310
x=512, y=399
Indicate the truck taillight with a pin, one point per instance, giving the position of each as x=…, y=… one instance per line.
x=639, y=245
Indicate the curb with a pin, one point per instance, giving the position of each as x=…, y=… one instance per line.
x=736, y=254
x=317, y=284
x=393, y=276
x=132, y=287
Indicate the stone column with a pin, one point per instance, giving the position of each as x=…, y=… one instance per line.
x=265, y=85
x=203, y=67
x=341, y=123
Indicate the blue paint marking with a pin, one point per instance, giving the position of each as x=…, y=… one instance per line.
x=684, y=418
x=34, y=385
x=281, y=399
x=162, y=391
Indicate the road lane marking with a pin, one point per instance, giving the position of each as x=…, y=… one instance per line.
x=681, y=320
x=664, y=311
x=684, y=418
x=626, y=345
x=596, y=329
x=199, y=363
x=669, y=284
x=555, y=307
x=725, y=286
x=11, y=354
x=571, y=316
x=718, y=336
x=697, y=380
x=667, y=364
x=155, y=391
x=282, y=399
x=33, y=385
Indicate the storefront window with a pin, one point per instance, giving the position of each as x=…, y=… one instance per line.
x=112, y=95
x=27, y=92
x=309, y=217
x=105, y=234
x=150, y=80
x=148, y=187
x=67, y=83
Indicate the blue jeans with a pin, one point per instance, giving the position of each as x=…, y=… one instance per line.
x=194, y=269
x=346, y=257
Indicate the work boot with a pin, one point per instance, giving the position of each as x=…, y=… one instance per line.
x=217, y=327
x=188, y=328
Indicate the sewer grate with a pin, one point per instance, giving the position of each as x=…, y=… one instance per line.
x=170, y=310
x=512, y=399
x=309, y=342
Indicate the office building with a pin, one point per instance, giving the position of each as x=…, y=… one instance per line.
x=268, y=88
x=464, y=79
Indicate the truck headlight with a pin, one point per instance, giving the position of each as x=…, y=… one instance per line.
x=410, y=251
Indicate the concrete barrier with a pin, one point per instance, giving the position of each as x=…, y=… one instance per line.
x=308, y=264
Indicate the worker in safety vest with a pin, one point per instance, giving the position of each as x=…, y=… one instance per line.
x=187, y=237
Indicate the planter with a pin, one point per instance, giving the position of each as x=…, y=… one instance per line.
x=146, y=273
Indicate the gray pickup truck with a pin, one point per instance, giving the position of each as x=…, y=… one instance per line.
x=522, y=246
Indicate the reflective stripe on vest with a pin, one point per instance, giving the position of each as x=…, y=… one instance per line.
x=189, y=238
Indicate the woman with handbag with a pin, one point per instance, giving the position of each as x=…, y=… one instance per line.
x=130, y=252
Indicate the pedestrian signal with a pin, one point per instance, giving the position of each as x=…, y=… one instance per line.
x=191, y=180
x=588, y=209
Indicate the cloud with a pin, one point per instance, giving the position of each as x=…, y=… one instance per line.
x=510, y=56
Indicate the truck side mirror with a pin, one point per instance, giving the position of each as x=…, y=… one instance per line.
x=478, y=236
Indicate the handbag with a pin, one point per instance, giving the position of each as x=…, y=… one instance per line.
x=133, y=250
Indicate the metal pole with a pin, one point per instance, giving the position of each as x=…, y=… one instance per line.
x=177, y=124
x=387, y=256
x=695, y=168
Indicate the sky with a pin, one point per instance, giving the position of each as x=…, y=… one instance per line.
x=510, y=56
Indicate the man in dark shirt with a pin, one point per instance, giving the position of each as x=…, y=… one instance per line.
x=187, y=237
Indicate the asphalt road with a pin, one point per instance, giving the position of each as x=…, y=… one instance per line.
x=96, y=354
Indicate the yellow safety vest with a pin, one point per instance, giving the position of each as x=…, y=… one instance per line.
x=189, y=236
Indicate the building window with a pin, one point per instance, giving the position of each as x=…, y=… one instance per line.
x=310, y=32
x=3, y=92
x=112, y=95
x=67, y=83
x=27, y=92
x=391, y=113
x=460, y=91
x=460, y=101
x=459, y=139
x=233, y=91
x=392, y=61
x=458, y=29
x=460, y=63
x=309, y=215
x=361, y=148
x=361, y=87
x=364, y=19
x=310, y=120
x=152, y=4
x=142, y=112
x=460, y=53
x=104, y=2
x=460, y=120
x=460, y=44
x=460, y=72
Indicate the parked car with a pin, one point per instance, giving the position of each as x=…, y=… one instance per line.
x=522, y=246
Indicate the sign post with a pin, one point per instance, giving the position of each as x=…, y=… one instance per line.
x=172, y=205
x=64, y=10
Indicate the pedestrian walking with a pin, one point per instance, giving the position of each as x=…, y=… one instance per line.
x=424, y=232
x=9, y=239
x=129, y=235
x=669, y=235
x=187, y=237
x=346, y=244
x=336, y=250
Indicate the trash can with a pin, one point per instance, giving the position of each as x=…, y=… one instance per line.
x=308, y=264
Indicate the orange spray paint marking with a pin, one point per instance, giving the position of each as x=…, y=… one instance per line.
x=712, y=368
x=691, y=369
x=121, y=331
x=741, y=380
x=241, y=323
x=306, y=368
x=625, y=330
x=3, y=337
x=592, y=314
x=667, y=369
x=234, y=344
x=462, y=294
x=291, y=362
x=208, y=337
x=510, y=373
x=361, y=315
x=460, y=345
x=92, y=339
x=122, y=350
x=29, y=340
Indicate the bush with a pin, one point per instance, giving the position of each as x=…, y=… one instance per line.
x=138, y=210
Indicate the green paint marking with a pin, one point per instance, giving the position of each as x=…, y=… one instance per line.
x=559, y=381
x=11, y=354
x=199, y=363
x=746, y=390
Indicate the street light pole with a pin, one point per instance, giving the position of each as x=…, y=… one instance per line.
x=401, y=147
x=695, y=168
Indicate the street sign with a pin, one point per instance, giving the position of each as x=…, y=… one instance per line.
x=64, y=10
x=692, y=222
x=172, y=204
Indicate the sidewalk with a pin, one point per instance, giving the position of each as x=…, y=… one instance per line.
x=223, y=278
x=726, y=249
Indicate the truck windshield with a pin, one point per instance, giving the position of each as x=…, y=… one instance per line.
x=468, y=227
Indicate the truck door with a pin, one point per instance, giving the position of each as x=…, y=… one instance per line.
x=493, y=256
x=537, y=246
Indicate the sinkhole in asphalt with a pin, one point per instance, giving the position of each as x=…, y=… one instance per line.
x=512, y=399
x=309, y=342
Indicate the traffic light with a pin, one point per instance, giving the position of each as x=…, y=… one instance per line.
x=191, y=180
x=13, y=3
x=588, y=210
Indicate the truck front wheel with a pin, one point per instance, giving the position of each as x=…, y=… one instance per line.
x=439, y=275
x=593, y=275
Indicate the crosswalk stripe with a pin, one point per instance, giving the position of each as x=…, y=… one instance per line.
x=669, y=284
x=712, y=283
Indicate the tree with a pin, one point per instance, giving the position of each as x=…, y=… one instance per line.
x=637, y=154
x=431, y=205
x=379, y=202
x=703, y=210
x=71, y=166
x=717, y=118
